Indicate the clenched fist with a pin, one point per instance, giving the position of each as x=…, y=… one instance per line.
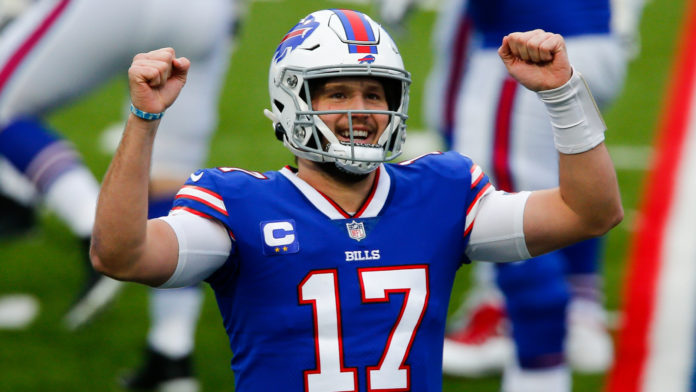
x=156, y=78
x=537, y=59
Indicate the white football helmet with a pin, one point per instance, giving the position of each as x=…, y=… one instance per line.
x=328, y=44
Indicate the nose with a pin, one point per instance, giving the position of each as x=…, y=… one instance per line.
x=358, y=103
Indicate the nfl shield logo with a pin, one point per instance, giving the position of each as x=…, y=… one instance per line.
x=356, y=230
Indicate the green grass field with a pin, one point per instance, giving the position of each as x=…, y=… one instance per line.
x=47, y=262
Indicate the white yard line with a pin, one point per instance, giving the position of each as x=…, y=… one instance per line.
x=627, y=157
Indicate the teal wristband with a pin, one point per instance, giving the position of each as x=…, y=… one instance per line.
x=145, y=115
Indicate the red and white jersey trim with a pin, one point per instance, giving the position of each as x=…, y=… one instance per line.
x=476, y=177
x=252, y=173
x=202, y=195
x=373, y=208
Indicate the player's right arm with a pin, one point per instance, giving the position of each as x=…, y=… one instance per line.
x=125, y=245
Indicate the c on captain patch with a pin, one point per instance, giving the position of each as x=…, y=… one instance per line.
x=279, y=237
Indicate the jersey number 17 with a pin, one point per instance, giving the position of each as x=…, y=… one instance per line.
x=320, y=289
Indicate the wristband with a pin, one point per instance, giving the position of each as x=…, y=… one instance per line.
x=145, y=115
x=577, y=122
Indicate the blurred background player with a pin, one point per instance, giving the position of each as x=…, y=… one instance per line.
x=9, y=9
x=483, y=113
x=41, y=69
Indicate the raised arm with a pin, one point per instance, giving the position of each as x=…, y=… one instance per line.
x=125, y=245
x=587, y=202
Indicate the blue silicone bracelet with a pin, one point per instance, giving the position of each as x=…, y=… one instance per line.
x=145, y=115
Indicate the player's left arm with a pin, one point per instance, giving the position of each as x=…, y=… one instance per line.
x=587, y=202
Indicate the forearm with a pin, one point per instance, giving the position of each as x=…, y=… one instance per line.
x=587, y=179
x=589, y=187
x=119, y=233
x=587, y=202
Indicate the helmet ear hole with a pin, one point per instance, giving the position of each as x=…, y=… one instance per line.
x=392, y=90
x=279, y=132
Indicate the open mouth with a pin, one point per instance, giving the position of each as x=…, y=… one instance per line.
x=359, y=136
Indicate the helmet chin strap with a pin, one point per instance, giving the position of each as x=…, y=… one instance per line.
x=359, y=158
x=373, y=154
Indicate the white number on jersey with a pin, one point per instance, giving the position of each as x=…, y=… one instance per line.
x=320, y=289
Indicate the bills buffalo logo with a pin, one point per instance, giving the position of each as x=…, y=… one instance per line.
x=369, y=59
x=295, y=37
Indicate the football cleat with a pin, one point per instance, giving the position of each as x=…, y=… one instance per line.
x=15, y=218
x=163, y=374
x=553, y=379
x=98, y=292
x=17, y=311
x=589, y=346
x=479, y=346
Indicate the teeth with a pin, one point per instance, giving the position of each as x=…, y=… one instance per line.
x=356, y=134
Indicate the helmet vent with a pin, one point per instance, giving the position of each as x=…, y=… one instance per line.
x=279, y=105
x=312, y=47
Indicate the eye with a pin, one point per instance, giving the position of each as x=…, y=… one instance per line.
x=337, y=95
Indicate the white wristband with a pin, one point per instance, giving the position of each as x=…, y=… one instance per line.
x=577, y=123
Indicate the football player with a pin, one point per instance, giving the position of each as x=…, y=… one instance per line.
x=335, y=275
x=55, y=52
x=488, y=116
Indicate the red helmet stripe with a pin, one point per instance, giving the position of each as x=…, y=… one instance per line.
x=358, y=29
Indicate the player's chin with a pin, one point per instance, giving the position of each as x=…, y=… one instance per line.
x=341, y=174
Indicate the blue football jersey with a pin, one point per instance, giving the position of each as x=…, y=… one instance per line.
x=317, y=299
x=494, y=19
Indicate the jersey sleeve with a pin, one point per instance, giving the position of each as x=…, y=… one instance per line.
x=204, y=246
x=200, y=196
x=494, y=223
x=480, y=187
x=498, y=232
